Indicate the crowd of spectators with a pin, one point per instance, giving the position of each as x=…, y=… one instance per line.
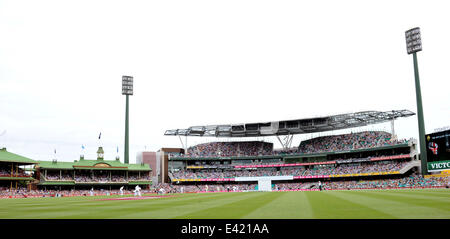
x=352, y=141
x=353, y=168
x=96, y=177
x=373, y=167
x=6, y=191
x=213, y=188
x=229, y=149
x=23, y=192
x=137, y=177
x=406, y=182
x=285, y=151
x=224, y=149
x=287, y=186
x=180, y=188
x=59, y=177
x=188, y=174
x=6, y=172
x=256, y=162
x=334, y=143
x=411, y=181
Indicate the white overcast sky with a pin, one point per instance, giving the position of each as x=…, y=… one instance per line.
x=208, y=62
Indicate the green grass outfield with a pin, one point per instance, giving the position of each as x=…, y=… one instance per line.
x=370, y=204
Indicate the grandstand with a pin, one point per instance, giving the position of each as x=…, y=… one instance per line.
x=15, y=171
x=24, y=177
x=87, y=174
x=347, y=161
x=379, y=160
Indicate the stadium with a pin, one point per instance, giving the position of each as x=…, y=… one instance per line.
x=360, y=174
x=251, y=110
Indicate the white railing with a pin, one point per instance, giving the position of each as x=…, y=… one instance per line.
x=414, y=163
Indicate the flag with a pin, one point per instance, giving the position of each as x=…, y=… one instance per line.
x=82, y=146
x=100, y=135
x=55, y=151
x=117, y=149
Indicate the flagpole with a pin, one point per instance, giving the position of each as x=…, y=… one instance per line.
x=99, y=139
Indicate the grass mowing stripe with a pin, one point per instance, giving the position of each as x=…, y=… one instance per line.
x=90, y=208
x=175, y=208
x=385, y=206
x=402, y=210
x=434, y=192
x=418, y=196
x=442, y=206
x=148, y=208
x=235, y=209
x=288, y=206
x=182, y=209
x=327, y=206
x=204, y=212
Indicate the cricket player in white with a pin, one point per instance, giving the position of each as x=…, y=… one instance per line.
x=137, y=191
x=92, y=191
x=121, y=191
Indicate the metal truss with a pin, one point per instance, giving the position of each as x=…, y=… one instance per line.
x=288, y=128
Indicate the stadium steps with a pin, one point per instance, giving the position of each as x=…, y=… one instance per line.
x=309, y=185
x=170, y=176
x=410, y=165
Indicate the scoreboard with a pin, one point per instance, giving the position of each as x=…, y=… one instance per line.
x=438, y=146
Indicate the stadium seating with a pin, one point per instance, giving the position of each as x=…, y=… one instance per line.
x=369, y=167
x=407, y=182
x=334, y=143
x=412, y=181
x=88, y=177
x=228, y=149
x=6, y=172
x=352, y=141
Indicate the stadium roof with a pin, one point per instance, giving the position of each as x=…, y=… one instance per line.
x=6, y=156
x=291, y=127
x=94, y=164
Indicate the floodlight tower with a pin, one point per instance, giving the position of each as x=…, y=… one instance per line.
x=413, y=45
x=127, y=89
